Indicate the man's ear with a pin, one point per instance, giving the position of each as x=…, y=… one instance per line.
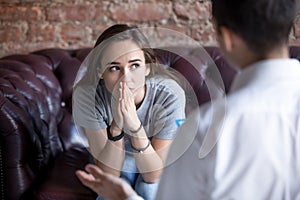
x=228, y=37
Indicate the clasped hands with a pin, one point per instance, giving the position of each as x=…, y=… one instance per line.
x=124, y=111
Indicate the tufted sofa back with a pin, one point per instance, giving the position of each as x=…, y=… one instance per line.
x=35, y=113
x=36, y=107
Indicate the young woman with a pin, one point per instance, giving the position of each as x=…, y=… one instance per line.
x=127, y=105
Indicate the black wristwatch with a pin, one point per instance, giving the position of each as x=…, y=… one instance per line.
x=114, y=138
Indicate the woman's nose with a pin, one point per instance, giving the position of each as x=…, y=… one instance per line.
x=126, y=74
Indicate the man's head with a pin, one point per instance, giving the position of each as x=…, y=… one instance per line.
x=262, y=24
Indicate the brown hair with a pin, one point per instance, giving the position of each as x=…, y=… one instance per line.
x=121, y=32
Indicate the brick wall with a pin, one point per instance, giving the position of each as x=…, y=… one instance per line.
x=27, y=25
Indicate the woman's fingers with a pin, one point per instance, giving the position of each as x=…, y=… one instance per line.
x=126, y=97
x=128, y=100
x=116, y=109
x=128, y=108
x=121, y=90
x=122, y=103
x=127, y=91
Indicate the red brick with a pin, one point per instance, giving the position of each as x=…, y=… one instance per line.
x=74, y=13
x=148, y=31
x=72, y=33
x=297, y=27
x=295, y=42
x=3, y=52
x=9, y=1
x=164, y=1
x=181, y=12
x=41, y=33
x=20, y=13
x=97, y=30
x=32, y=1
x=100, y=13
x=204, y=34
x=192, y=11
x=164, y=35
x=17, y=48
x=30, y=47
x=172, y=33
x=11, y=33
x=173, y=28
x=63, y=1
x=140, y=12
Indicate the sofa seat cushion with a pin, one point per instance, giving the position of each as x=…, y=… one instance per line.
x=55, y=184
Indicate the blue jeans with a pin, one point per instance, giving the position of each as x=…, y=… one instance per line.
x=130, y=175
x=143, y=189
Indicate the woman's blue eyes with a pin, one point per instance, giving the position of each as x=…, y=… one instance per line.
x=134, y=66
x=116, y=68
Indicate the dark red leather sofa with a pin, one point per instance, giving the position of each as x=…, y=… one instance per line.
x=40, y=148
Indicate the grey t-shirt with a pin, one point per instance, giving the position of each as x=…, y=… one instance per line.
x=162, y=107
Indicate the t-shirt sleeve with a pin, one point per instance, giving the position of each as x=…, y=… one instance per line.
x=84, y=113
x=170, y=114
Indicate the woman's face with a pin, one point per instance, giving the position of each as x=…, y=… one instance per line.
x=124, y=61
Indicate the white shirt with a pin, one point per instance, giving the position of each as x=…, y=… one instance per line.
x=252, y=145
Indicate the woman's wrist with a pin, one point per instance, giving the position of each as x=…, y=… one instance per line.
x=141, y=149
x=114, y=128
x=114, y=135
x=134, y=125
x=136, y=130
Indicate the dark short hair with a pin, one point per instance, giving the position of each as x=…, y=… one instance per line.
x=262, y=24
